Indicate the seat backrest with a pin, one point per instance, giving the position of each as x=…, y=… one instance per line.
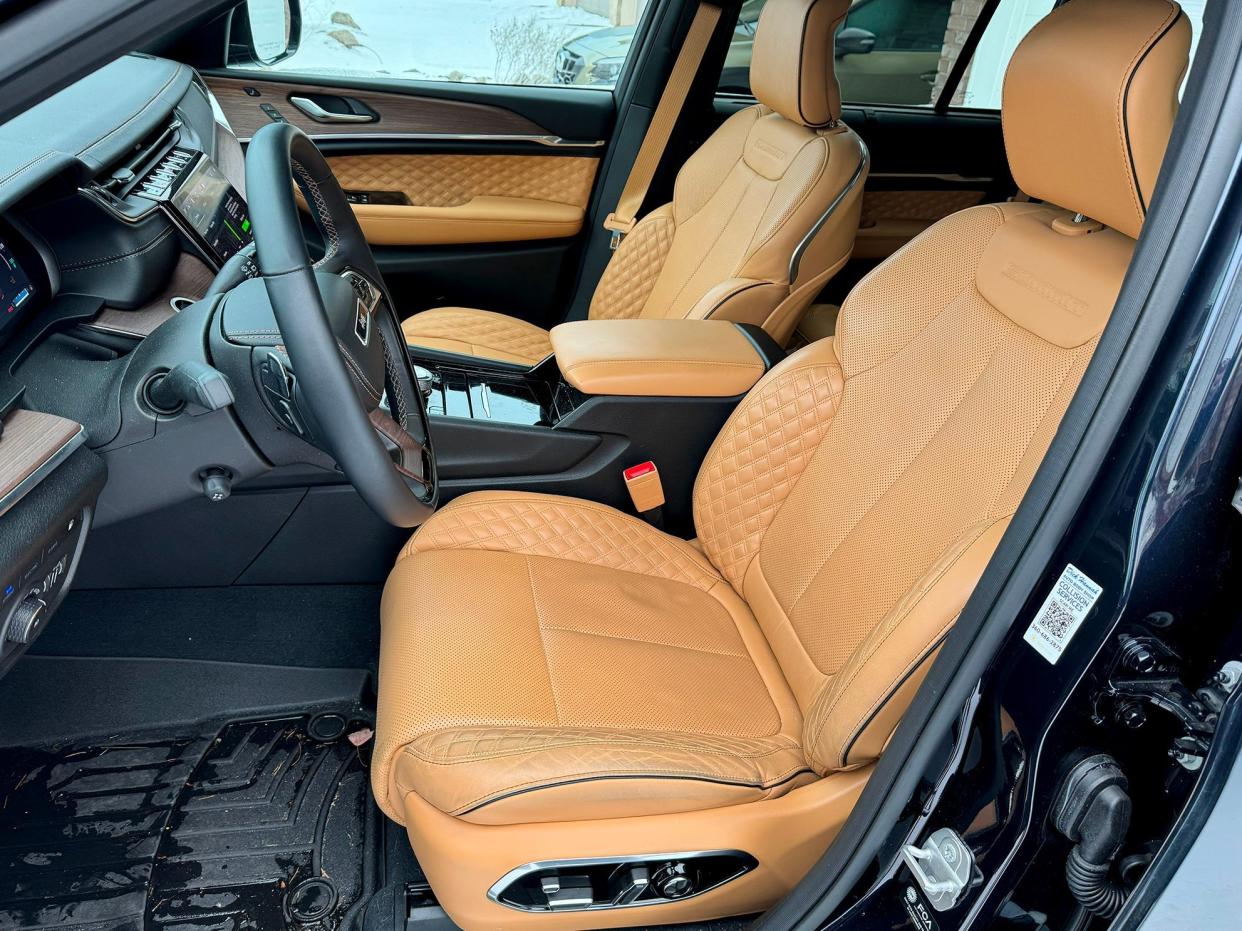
x=857, y=494
x=765, y=212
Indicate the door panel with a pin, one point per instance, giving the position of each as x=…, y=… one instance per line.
x=467, y=201
x=412, y=199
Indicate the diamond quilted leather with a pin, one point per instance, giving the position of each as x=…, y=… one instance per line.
x=563, y=528
x=474, y=332
x=452, y=180
x=760, y=454
x=627, y=281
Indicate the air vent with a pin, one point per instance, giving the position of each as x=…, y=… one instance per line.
x=113, y=188
x=157, y=182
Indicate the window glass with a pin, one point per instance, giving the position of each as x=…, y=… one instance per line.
x=574, y=42
x=902, y=51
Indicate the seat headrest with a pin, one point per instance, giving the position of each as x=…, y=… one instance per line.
x=1089, y=102
x=792, y=64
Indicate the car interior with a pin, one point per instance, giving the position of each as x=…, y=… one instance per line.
x=492, y=505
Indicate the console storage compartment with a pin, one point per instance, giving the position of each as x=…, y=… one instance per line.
x=658, y=358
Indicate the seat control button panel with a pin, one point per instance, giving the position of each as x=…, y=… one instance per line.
x=618, y=882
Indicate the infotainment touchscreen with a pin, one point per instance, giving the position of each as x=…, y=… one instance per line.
x=214, y=209
x=16, y=288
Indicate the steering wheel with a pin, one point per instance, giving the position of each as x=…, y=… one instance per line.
x=339, y=330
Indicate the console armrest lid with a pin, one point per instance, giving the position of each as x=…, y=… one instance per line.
x=657, y=358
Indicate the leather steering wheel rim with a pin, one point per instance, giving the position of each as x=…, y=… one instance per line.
x=403, y=491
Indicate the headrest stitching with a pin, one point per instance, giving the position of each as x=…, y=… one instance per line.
x=1123, y=132
x=802, y=56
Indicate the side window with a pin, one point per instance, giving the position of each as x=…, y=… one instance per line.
x=902, y=51
x=582, y=43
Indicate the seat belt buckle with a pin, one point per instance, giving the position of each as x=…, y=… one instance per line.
x=643, y=483
x=619, y=229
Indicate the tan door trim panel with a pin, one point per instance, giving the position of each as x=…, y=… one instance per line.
x=479, y=220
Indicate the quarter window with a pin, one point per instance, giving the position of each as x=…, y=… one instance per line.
x=902, y=51
x=579, y=43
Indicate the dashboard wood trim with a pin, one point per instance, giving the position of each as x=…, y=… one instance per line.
x=190, y=279
x=399, y=113
x=32, y=446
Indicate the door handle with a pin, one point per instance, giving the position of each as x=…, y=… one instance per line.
x=320, y=115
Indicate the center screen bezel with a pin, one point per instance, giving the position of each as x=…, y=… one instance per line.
x=223, y=213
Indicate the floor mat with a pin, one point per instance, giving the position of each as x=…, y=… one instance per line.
x=243, y=825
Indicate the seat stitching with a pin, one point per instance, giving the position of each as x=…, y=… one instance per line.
x=653, y=643
x=843, y=318
x=755, y=110
x=802, y=199
x=543, y=646
x=890, y=690
x=655, y=773
x=893, y=484
x=578, y=743
x=964, y=541
x=1127, y=152
x=719, y=233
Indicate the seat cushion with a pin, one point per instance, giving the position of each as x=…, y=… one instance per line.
x=479, y=333
x=545, y=655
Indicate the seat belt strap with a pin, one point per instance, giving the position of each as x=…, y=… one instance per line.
x=622, y=220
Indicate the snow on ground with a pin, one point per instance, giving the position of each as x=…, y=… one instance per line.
x=505, y=41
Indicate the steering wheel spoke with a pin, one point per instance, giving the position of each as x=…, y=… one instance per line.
x=339, y=330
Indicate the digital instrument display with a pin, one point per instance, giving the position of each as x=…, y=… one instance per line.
x=16, y=288
x=214, y=209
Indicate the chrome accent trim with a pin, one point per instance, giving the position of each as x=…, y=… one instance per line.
x=50, y=464
x=555, y=142
x=320, y=115
x=795, y=260
x=364, y=309
x=505, y=881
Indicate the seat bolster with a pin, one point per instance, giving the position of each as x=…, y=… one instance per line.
x=635, y=267
x=508, y=775
x=760, y=454
x=562, y=528
x=856, y=710
x=740, y=300
x=479, y=333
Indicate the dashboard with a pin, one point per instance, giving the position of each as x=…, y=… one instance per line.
x=120, y=198
x=17, y=291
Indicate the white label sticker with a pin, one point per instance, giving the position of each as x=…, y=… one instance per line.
x=1059, y=619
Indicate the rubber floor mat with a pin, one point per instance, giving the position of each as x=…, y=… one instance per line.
x=262, y=825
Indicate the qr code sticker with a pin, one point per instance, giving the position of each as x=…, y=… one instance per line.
x=1064, y=610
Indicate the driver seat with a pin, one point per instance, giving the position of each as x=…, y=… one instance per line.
x=561, y=681
x=763, y=214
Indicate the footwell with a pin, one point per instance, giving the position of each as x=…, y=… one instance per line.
x=261, y=825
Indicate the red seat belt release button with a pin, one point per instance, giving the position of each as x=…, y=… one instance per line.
x=643, y=483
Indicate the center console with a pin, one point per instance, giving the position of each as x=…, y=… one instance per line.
x=614, y=394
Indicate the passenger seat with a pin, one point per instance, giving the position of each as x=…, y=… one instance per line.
x=763, y=214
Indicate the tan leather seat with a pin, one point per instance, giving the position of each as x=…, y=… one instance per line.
x=559, y=680
x=762, y=215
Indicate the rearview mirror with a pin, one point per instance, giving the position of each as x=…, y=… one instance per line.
x=854, y=41
x=264, y=32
